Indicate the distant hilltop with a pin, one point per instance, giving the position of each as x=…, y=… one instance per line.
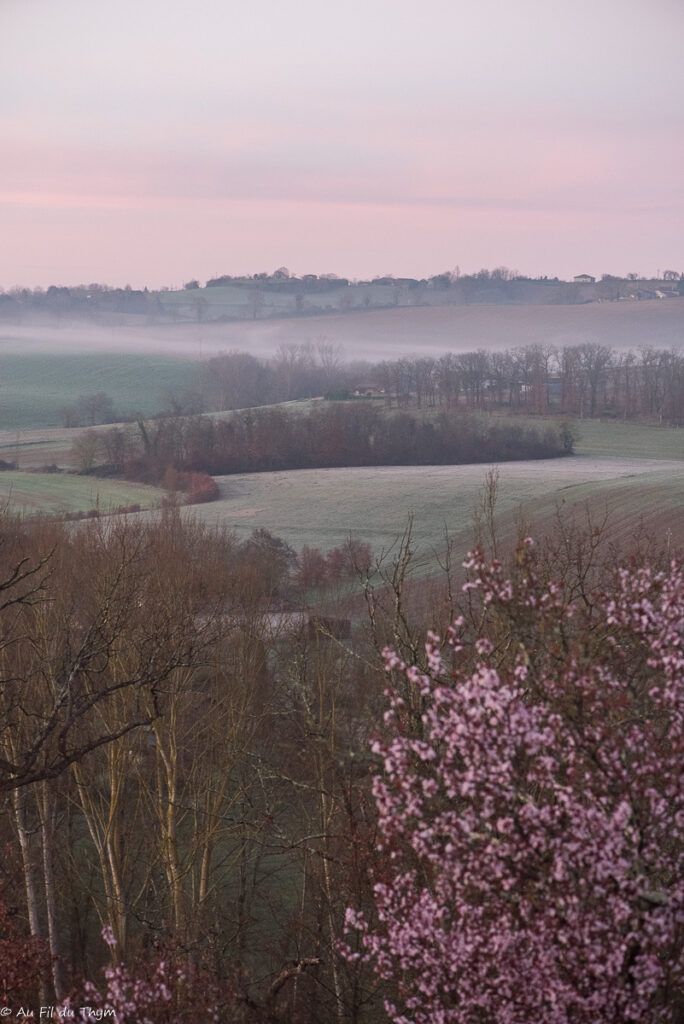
x=281, y=294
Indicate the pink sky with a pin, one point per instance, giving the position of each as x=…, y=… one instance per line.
x=151, y=143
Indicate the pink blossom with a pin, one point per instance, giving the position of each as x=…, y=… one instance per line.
x=535, y=867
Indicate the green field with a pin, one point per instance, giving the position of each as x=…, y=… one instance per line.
x=628, y=440
x=57, y=493
x=34, y=387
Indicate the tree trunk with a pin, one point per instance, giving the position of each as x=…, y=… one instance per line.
x=47, y=810
x=29, y=865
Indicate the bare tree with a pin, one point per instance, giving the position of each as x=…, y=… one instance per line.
x=69, y=615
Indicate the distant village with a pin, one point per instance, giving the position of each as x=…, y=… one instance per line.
x=282, y=294
x=669, y=287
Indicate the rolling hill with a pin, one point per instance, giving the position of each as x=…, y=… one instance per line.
x=376, y=334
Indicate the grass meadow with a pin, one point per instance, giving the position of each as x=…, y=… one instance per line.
x=35, y=386
x=615, y=439
x=57, y=493
x=323, y=507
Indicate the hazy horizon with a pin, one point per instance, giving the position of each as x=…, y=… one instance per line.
x=148, y=144
x=375, y=334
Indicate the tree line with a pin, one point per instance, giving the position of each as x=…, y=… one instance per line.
x=78, y=301
x=341, y=434
x=582, y=381
x=329, y=292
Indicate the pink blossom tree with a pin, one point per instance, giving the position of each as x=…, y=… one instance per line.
x=164, y=989
x=532, y=826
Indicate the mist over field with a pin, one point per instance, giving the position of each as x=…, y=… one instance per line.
x=373, y=335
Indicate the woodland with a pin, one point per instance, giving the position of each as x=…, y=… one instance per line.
x=342, y=434
x=582, y=381
x=215, y=809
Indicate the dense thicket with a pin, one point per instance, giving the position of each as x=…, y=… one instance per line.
x=337, y=435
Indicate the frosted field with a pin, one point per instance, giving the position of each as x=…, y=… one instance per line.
x=56, y=493
x=322, y=507
x=635, y=471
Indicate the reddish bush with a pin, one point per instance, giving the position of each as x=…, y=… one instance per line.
x=198, y=487
x=358, y=557
x=336, y=563
x=312, y=570
x=352, y=557
x=195, y=487
x=24, y=961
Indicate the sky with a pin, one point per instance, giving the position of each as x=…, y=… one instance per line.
x=149, y=142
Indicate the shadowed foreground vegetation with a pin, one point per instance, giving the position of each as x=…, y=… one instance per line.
x=185, y=752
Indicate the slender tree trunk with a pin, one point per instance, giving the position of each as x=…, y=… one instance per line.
x=29, y=866
x=100, y=833
x=325, y=822
x=47, y=810
x=167, y=812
